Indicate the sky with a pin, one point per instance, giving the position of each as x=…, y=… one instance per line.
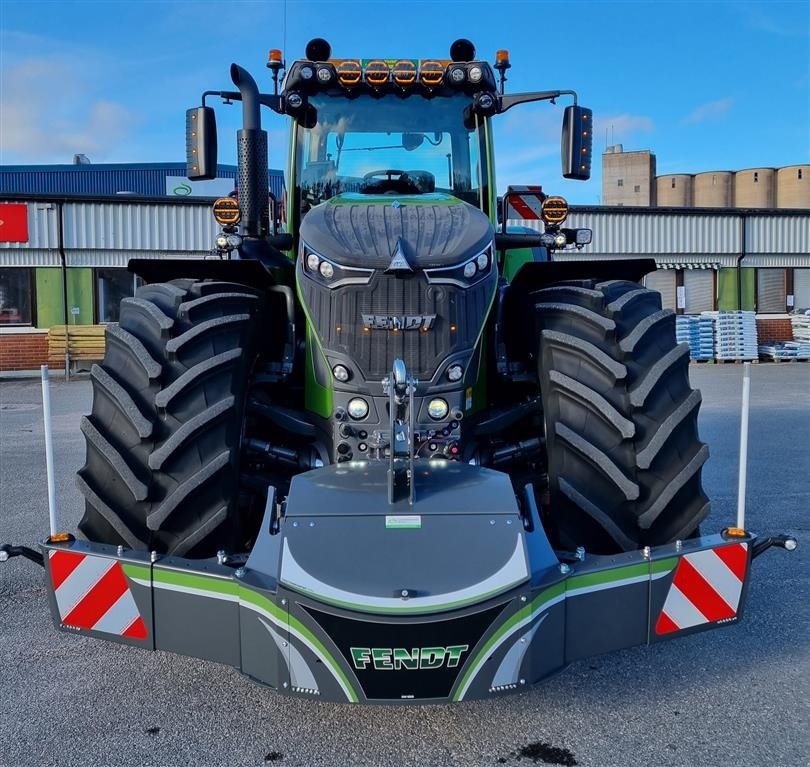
x=704, y=85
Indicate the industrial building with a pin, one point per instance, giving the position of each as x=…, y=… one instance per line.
x=629, y=179
x=57, y=247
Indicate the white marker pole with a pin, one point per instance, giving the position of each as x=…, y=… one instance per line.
x=46, y=419
x=746, y=398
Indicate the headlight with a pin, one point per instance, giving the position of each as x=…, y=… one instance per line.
x=437, y=409
x=327, y=270
x=468, y=273
x=455, y=372
x=325, y=75
x=357, y=408
x=475, y=73
x=222, y=242
x=234, y=241
x=560, y=240
x=341, y=373
x=457, y=75
x=329, y=273
x=306, y=73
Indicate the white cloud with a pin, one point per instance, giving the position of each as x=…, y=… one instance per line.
x=712, y=110
x=50, y=110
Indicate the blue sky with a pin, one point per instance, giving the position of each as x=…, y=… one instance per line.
x=706, y=86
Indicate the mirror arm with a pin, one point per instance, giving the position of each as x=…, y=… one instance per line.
x=265, y=99
x=513, y=99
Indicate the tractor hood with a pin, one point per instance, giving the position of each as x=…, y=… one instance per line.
x=432, y=230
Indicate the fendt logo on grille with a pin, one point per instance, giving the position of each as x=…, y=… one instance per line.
x=399, y=658
x=401, y=322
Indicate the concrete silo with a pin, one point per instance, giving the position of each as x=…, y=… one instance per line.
x=755, y=188
x=793, y=187
x=674, y=190
x=713, y=189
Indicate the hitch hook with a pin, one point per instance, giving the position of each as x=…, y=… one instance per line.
x=7, y=552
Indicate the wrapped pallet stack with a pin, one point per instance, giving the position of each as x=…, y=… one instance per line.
x=698, y=332
x=797, y=349
x=735, y=335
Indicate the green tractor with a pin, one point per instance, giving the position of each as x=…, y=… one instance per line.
x=392, y=451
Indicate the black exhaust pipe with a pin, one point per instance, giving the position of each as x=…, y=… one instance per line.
x=251, y=148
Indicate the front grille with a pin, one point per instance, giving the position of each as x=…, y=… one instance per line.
x=338, y=317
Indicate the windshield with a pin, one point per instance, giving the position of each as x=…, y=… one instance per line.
x=388, y=145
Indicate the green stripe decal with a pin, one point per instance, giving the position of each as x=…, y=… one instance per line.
x=137, y=572
x=641, y=570
x=524, y=615
x=211, y=584
x=217, y=588
x=295, y=626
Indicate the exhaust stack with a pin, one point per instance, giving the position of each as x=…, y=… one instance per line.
x=251, y=148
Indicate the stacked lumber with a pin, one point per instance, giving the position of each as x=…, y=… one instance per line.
x=85, y=342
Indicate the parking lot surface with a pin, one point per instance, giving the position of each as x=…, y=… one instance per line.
x=736, y=696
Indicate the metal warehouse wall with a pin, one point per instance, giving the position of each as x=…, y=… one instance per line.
x=109, y=233
x=774, y=237
x=146, y=179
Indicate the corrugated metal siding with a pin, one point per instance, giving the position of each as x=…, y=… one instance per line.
x=42, y=228
x=120, y=258
x=133, y=226
x=30, y=257
x=778, y=234
x=143, y=179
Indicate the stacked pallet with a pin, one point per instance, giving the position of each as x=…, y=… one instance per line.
x=85, y=344
x=698, y=332
x=801, y=325
x=784, y=352
x=735, y=335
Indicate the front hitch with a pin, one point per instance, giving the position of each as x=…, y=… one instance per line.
x=8, y=551
x=761, y=545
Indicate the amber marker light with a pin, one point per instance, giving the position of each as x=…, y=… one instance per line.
x=274, y=56
x=349, y=72
x=431, y=73
x=404, y=72
x=61, y=538
x=735, y=532
x=502, y=56
x=377, y=72
x=554, y=210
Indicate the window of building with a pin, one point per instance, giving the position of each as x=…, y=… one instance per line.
x=637, y=188
x=663, y=280
x=620, y=182
x=756, y=177
x=699, y=289
x=771, y=296
x=673, y=183
x=112, y=285
x=799, y=173
x=801, y=289
x=16, y=296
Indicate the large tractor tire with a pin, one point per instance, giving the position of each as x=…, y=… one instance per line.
x=164, y=435
x=624, y=458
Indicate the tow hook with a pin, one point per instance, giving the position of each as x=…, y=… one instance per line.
x=761, y=545
x=7, y=552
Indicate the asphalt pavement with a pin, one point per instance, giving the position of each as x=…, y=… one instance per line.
x=736, y=696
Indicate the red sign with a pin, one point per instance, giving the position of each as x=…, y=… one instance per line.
x=13, y=223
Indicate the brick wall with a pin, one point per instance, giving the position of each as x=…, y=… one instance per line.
x=774, y=331
x=24, y=351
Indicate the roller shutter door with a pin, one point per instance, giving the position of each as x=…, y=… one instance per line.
x=663, y=280
x=699, y=288
x=801, y=288
x=770, y=291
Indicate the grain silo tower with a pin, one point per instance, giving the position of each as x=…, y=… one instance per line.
x=713, y=189
x=674, y=190
x=755, y=188
x=793, y=187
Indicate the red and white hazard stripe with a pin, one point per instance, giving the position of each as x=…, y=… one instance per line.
x=93, y=593
x=706, y=588
x=524, y=202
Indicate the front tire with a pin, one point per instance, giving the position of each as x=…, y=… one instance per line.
x=624, y=458
x=164, y=434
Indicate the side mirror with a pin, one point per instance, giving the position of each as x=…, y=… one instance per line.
x=201, y=144
x=577, y=140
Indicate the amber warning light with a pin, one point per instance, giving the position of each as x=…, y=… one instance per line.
x=226, y=211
